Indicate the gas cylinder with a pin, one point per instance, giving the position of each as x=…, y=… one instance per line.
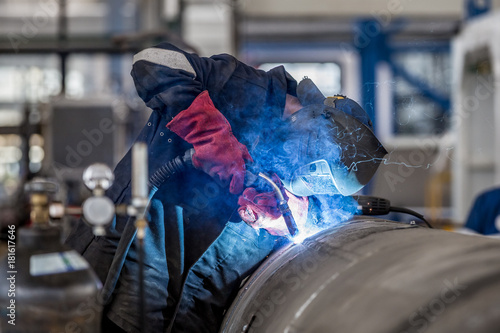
x=46, y=286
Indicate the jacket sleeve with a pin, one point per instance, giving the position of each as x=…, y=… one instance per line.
x=165, y=79
x=168, y=79
x=214, y=279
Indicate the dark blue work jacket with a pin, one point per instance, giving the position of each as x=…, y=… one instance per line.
x=194, y=258
x=485, y=212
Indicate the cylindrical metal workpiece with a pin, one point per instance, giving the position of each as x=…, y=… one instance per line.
x=374, y=276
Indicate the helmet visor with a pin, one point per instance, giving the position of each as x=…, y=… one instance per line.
x=319, y=177
x=343, y=154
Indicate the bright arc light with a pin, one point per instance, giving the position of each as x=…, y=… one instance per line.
x=300, y=238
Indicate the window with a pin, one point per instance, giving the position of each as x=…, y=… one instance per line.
x=416, y=113
x=326, y=76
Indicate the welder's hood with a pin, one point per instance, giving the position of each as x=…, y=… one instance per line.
x=332, y=145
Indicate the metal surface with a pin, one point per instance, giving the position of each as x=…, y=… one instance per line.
x=374, y=276
x=47, y=287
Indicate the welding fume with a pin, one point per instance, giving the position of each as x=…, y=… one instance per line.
x=240, y=161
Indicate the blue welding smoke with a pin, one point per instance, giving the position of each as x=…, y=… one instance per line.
x=325, y=212
x=325, y=149
x=282, y=151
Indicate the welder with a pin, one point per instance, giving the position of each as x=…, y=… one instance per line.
x=236, y=118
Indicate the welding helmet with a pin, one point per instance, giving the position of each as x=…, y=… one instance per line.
x=331, y=145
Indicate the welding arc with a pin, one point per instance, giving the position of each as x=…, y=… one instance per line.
x=283, y=206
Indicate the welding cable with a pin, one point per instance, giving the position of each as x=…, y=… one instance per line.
x=177, y=165
x=410, y=212
x=181, y=163
x=283, y=206
x=370, y=205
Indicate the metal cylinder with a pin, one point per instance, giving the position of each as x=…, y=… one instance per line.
x=374, y=276
x=47, y=287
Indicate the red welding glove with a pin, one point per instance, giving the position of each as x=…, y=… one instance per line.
x=260, y=210
x=254, y=205
x=217, y=151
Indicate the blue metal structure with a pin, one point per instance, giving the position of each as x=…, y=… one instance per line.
x=371, y=43
x=475, y=8
x=374, y=46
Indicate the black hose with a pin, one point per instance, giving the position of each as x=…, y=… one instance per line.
x=411, y=212
x=177, y=165
x=370, y=205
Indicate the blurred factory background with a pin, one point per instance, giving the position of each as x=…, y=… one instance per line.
x=426, y=71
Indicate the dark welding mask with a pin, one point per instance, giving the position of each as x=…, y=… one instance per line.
x=331, y=144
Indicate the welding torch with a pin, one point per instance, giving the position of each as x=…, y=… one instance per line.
x=184, y=162
x=282, y=206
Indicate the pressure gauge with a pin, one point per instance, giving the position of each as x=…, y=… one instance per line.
x=98, y=176
x=98, y=212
